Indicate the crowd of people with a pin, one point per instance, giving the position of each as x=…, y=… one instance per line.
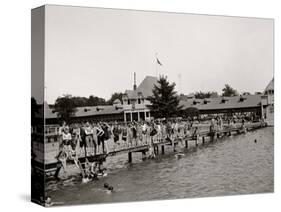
x=89, y=139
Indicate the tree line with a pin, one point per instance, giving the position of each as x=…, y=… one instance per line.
x=78, y=101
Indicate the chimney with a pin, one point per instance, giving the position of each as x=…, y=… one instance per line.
x=135, y=84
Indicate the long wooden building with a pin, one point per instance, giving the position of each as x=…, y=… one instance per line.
x=133, y=106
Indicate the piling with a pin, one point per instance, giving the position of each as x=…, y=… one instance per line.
x=130, y=157
x=197, y=139
x=186, y=144
x=143, y=155
x=162, y=149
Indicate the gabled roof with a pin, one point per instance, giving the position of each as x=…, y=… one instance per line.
x=147, y=85
x=131, y=94
x=48, y=112
x=117, y=101
x=144, y=89
x=249, y=101
x=270, y=86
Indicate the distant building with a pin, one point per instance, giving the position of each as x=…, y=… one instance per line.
x=135, y=101
x=218, y=105
x=133, y=106
x=267, y=101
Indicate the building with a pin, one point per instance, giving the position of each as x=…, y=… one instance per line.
x=267, y=101
x=135, y=101
x=134, y=105
x=219, y=105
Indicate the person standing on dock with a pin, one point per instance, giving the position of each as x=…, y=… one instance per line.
x=100, y=137
x=106, y=137
x=65, y=153
x=144, y=133
x=89, y=138
x=82, y=143
x=134, y=134
x=116, y=131
x=60, y=132
x=95, y=138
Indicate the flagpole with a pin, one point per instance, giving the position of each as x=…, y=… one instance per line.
x=156, y=68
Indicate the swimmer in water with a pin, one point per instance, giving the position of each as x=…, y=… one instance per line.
x=179, y=155
x=105, y=185
x=48, y=202
x=109, y=189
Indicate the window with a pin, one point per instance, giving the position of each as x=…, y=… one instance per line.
x=147, y=114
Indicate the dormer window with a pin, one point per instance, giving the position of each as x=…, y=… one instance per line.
x=118, y=107
x=86, y=109
x=99, y=108
x=241, y=99
x=223, y=100
x=206, y=101
x=195, y=102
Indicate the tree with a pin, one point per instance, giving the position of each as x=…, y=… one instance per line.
x=65, y=107
x=204, y=95
x=114, y=96
x=229, y=91
x=94, y=101
x=246, y=93
x=164, y=100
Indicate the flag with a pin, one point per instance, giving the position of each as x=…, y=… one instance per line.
x=158, y=61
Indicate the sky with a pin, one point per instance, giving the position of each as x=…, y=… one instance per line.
x=94, y=51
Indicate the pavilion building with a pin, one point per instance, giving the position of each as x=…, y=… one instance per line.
x=135, y=101
x=267, y=101
x=134, y=105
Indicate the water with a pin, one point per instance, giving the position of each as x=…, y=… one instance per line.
x=230, y=166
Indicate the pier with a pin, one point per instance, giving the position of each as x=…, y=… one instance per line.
x=200, y=137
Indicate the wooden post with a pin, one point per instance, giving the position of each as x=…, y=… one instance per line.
x=162, y=149
x=157, y=149
x=56, y=175
x=212, y=137
x=143, y=155
x=130, y=157
x=186, y=144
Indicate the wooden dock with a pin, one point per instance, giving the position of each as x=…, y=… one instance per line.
x=201, y=136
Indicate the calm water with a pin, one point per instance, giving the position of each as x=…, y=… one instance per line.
x=230, y=166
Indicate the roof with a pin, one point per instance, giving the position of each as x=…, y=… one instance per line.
x=131, y=94
x=249, y=101
x=87, y=111
x=49, y=114
x=270, y=86
x=145, y=88
x=117, y=101
x=147, y=85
